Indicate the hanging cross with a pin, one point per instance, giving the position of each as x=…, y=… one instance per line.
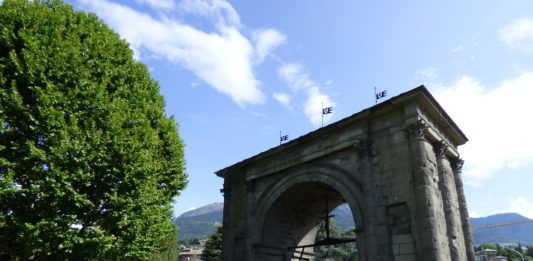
x=326, y=218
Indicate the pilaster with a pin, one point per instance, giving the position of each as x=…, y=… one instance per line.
x=431, y=244
x=457, y=166
x=450, y=203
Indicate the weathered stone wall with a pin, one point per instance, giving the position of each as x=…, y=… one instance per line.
x=396, y=165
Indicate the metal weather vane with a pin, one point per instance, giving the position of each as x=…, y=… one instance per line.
x=325, y=111
x=283, y=138
x=379, y=95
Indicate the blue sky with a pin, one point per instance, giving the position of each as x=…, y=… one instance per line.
x=236, y=73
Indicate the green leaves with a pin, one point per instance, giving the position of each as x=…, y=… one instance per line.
x=213, y=246
x=89, y=163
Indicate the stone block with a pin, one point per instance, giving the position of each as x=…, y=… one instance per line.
x=407, y=248
x=402, y=239
x=404, y=258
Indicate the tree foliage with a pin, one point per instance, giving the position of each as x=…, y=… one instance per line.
x=486, y=246
x=169, y=249
x=529, y=251
x=346, y=251
x=213, y=246
x=89, y=163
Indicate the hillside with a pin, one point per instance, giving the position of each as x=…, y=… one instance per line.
x=202, y=221
x=522, y=233
x=343, y=217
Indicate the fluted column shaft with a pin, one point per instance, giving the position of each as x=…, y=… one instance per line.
x=430, y=248
x=450, y=203
x=457, y=165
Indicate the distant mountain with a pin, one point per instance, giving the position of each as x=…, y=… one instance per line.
x=521, y=233
x=200, y=222
x=343, y=217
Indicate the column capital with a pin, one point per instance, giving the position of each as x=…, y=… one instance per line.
x=440, y=148
x=417, y=130
x=457, y=164
x=226, y=191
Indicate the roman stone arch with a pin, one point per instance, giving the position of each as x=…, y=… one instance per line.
x=292, y=207
x=396, y=165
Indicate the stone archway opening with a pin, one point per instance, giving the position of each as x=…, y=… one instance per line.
x=292, y=224
x=341, y=226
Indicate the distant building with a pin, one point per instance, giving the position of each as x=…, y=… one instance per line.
x=487, y=255
x=190, y=254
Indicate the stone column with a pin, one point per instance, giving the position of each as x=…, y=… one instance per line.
x=429, y=241
x=457, y=165
x=226, y=228
x=370, y=234
x=450, y=203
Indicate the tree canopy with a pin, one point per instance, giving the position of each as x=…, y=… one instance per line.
x=345, y=251
x=89, y=162
x=213, y=246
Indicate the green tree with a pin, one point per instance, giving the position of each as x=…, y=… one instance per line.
x=213, y=246
x=169, y=250
x=487, y=246
x=519, y=248
x=529, y=251
x=89, y=162
x=345, y=251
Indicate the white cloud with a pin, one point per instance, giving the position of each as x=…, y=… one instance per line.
x=266, y=41
x=220, y=11
x=518, y=34
x=224, y=59
x=521, y=206
x=457, y=49
x=293, y=75
x=299, y=81
x=315, y=102
x=496, y=120
x=284, y=99
x=159, y=4
x=474, y=214
x=428, y=74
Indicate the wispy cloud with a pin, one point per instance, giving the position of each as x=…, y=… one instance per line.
x=284, y=99
x=428, y=74
x=266, y=40
x=474, y=214
x=159, y=4
x=519, y=34
x=457, y=49
x=521, y=206
x=224, y=59
x=299, y=81
x=218, y=11
x=496, y=121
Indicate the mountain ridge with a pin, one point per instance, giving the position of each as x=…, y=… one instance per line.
x=201, y=222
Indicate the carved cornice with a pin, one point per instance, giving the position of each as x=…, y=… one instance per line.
x=457, y=164
x=418, y=129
